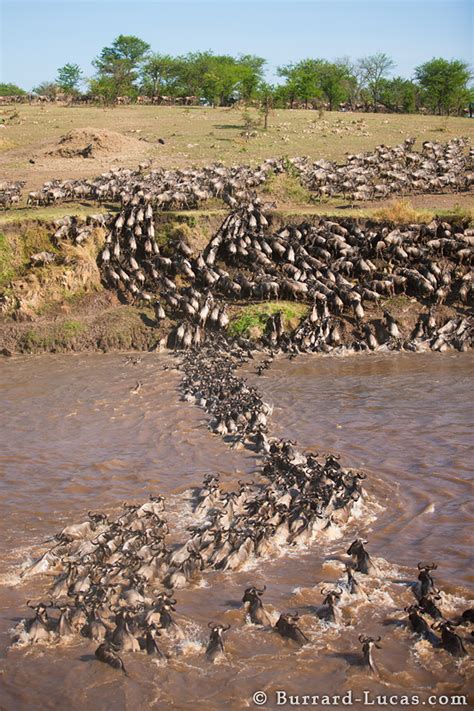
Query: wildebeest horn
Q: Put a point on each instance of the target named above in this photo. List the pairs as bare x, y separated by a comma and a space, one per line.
363, 639
210, 625
427, 566
226, 627
260, 592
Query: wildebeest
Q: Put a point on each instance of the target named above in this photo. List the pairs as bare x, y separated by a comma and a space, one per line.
105, 653
368, 644
450, 641
363, 562
256, 611
287, 626
215, 646
417, 623
425, 584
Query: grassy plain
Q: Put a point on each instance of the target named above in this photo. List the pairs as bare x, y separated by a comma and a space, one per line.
197, 136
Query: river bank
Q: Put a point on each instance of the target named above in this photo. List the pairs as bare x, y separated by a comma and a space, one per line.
66, 305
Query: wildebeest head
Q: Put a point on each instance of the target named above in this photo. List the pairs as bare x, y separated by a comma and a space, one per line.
332, 596
426, 580
356, 547
253, 594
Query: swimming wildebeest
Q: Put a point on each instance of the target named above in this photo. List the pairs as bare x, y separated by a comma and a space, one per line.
368, 643
287, 626
425, 584
256, 611
362, 560
417, 623
38, 628
328, 610
215, 646
105, 653
450, 641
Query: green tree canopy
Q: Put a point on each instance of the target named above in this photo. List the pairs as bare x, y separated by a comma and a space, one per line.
333, 81
69, 78
250, 70
11, 90
398, 94
161, 74
302, 80
118, 65
444, 83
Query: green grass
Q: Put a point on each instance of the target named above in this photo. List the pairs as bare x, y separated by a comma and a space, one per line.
7, 272
250, 321
54, 212
287, 188
17, 246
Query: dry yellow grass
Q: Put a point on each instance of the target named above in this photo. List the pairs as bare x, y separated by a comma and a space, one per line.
195, 136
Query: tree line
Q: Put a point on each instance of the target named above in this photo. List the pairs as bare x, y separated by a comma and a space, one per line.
128, 68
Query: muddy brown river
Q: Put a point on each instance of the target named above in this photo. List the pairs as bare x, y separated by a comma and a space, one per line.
75, 437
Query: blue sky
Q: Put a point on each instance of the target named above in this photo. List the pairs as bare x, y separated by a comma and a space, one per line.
38, 36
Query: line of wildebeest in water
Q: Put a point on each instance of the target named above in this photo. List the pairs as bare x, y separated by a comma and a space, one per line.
116, 577
378, 174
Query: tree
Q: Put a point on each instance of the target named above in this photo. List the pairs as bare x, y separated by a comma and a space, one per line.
398, 95
160, 73
250, 70
444, 83
69, 78
119, 65
332, 80
373, 70
265, 94
47, 88
11, 90
302, 80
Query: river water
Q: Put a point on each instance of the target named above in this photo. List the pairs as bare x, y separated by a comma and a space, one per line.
75, 437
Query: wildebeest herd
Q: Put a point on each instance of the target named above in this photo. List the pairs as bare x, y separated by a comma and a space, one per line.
384, 172
346, 271
116, 577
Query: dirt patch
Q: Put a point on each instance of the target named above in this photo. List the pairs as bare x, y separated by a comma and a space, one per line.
91, 143
95, 322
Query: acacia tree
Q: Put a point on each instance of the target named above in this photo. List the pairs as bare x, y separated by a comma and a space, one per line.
118, 66
332, 80
250, 70
398, 94
160, 73
373, 70
302, 79
265, 93
47, 88
69, 77
11, 90
445, 83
